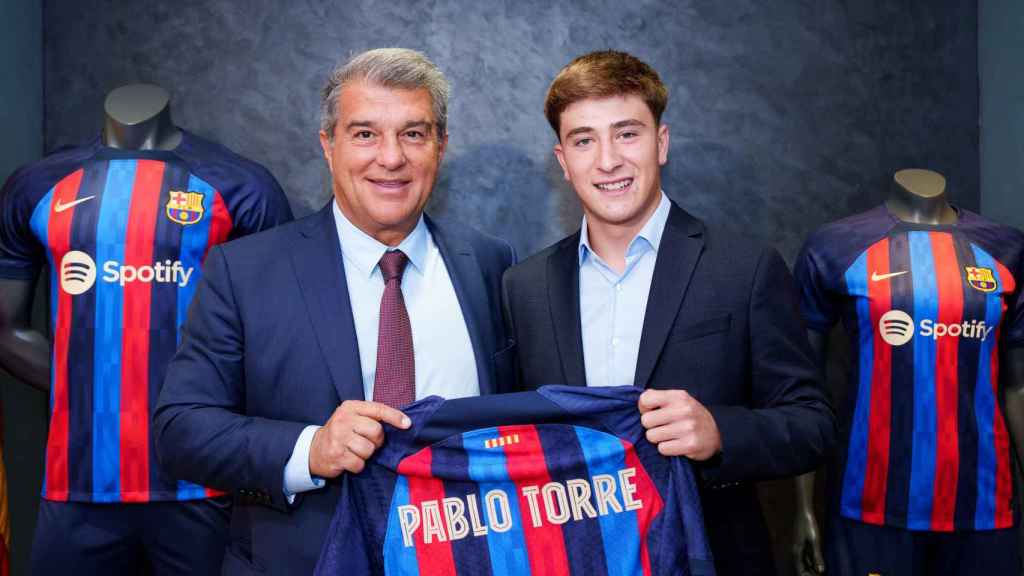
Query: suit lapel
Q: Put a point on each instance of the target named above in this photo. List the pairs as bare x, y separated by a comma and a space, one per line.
468, 280
678, 253
563, 275
320, 273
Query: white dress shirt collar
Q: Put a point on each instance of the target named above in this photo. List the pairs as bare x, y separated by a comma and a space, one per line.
364, 251
649, 236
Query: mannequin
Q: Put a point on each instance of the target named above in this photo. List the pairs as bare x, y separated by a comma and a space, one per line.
919, 197
129, 198
137, 117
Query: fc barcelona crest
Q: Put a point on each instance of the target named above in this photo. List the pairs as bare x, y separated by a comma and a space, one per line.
981, 278
185, 207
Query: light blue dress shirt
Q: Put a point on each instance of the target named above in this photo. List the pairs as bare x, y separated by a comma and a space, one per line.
445, 362
612, 306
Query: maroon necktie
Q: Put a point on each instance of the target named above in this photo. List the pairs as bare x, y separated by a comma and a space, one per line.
395, 382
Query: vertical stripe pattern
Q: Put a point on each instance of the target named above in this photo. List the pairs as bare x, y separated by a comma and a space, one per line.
489, 469
552, 500
901, 389
116, 330
470, 553
926, 304
567, 465
423, 486
879, 415
1001, 439
399, 560
527, 466
195, 240
949, 290
621, 531
928, 447
59, 239
83, 454
114, 209
968, 356
135, 440
856, 459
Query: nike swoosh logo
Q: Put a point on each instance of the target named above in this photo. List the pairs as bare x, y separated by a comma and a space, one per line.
876, 277
62, 207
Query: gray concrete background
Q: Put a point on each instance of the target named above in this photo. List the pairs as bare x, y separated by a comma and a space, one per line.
1001, 67
21, 141
784, 115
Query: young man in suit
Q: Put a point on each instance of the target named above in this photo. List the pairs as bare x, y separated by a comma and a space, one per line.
302, 342
646, 294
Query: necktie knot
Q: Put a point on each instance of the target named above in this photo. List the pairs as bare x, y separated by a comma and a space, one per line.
392, 265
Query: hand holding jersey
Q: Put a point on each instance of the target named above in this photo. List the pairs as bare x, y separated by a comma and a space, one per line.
350, 437
679, 424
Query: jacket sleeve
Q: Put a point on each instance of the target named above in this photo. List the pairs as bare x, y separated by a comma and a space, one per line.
788, 425
202, 431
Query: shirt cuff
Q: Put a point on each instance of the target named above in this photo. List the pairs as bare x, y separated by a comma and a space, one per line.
296, 472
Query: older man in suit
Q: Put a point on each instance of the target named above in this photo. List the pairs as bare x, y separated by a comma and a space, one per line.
646, 294
303, 341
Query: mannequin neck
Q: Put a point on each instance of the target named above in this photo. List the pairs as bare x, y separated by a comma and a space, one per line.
919, 196
138, 117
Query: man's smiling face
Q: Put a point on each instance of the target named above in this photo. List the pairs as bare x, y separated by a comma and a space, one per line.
612, 150
384, 158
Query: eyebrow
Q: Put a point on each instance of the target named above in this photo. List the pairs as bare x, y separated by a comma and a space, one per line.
628, 122
423, 124
615, 126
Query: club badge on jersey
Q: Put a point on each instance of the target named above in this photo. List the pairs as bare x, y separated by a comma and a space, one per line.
185, 207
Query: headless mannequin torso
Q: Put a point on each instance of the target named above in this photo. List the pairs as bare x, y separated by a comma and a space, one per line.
917, 196
137, 117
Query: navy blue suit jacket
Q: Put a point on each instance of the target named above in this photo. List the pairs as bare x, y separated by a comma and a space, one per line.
270, 347
721, 323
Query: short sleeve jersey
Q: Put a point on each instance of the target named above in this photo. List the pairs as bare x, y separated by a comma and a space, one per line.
562, 482
122, 235
928, 309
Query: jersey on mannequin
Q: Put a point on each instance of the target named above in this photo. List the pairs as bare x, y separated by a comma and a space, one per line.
120, 225
136, 117
918, 200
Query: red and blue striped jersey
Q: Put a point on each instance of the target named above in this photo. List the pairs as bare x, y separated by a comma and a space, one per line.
123, 234
928, 310
559, 481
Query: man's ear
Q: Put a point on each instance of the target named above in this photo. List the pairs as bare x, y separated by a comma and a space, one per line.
443, 143
327, 146
662, 144
560, 155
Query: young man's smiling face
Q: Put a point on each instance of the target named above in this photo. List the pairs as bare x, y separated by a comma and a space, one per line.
612, 151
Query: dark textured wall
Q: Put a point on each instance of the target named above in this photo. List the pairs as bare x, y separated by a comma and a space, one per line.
784, 114
21, 141
1000, 49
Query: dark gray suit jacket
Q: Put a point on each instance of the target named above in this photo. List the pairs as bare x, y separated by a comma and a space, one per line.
721, 323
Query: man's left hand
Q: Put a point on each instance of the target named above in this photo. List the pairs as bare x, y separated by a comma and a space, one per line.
679, 425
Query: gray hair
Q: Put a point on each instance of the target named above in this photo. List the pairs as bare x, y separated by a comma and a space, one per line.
391, 68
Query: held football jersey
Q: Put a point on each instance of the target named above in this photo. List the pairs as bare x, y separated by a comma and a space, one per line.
555, 482
927, 309
123, 234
